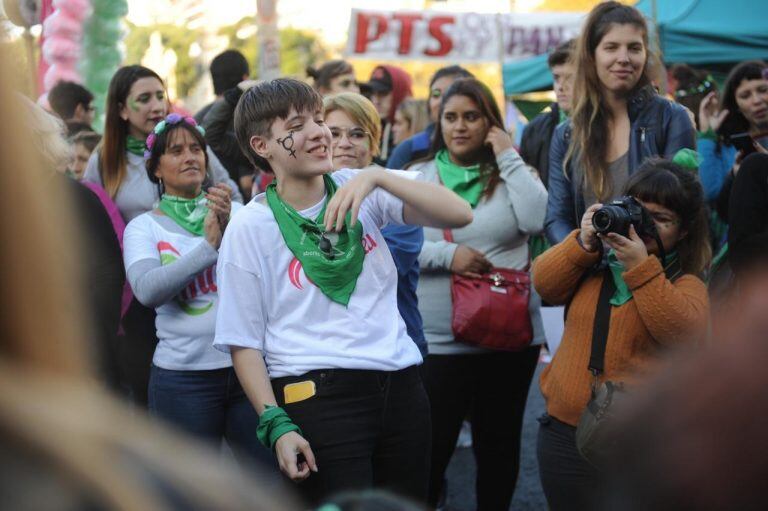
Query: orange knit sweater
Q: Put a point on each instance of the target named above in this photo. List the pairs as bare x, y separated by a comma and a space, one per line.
661, 314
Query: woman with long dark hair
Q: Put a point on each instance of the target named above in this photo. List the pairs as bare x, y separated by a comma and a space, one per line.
618, 120
136, 102
473, 155
742, 108
657, 302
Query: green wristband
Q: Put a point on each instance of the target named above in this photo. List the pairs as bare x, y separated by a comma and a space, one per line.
273, 424
707, 135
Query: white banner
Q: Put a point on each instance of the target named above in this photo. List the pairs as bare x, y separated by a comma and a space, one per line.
457, 37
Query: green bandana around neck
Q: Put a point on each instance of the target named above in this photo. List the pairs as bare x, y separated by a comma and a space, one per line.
188, 213
623, 294
562, 116
135, 145
335, 276
466, 182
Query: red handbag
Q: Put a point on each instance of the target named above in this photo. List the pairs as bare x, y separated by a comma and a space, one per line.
492, 311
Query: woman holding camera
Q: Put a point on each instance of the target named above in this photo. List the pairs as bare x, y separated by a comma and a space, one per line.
655, 306
618, 119
473, 155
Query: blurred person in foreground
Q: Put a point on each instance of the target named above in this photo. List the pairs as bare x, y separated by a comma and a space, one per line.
66, 443
695, 438
355, 132
417, 146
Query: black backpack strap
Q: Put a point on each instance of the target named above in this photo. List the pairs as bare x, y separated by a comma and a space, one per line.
601, 324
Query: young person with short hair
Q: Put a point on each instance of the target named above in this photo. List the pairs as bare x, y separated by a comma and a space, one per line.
72, 102
308, 305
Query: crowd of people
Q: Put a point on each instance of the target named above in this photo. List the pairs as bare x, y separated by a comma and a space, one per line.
333, 277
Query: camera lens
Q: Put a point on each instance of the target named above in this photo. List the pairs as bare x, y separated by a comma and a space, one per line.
601, 220
611, 218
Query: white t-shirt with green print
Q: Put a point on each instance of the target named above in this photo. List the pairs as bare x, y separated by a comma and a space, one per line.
174, 272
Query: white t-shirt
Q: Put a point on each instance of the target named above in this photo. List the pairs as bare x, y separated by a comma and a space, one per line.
268, 304
186, 324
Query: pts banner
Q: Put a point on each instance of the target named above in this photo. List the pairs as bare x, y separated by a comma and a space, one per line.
457, 37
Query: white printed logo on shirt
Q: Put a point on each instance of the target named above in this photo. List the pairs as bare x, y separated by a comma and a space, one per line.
203, 284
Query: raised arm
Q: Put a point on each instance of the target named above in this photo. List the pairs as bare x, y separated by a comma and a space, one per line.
526, 193
426, 204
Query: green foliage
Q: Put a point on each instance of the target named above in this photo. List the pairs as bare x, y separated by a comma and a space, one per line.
179, 39
298, 48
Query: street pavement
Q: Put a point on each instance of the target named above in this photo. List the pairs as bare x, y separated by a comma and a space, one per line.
528, 493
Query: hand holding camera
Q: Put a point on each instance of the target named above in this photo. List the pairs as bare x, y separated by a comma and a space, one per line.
620, 226
588, 234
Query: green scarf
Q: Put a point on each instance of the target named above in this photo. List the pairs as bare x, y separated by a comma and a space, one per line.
135, 146
336, 276
623, 294
188, 213
466, 182
562, 116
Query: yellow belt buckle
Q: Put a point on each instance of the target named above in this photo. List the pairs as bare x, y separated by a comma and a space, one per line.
299, 391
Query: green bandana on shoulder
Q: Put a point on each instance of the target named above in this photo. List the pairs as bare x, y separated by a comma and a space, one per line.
335, 268
466, 182
188, 213
135, 146
623, 294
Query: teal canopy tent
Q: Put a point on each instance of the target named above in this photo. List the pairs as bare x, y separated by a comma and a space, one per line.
696, 32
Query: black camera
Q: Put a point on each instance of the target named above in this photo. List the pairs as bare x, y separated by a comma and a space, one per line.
620, 214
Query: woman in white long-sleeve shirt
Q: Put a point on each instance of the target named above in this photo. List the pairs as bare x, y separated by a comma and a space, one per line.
170, 259
136, 102
473, 155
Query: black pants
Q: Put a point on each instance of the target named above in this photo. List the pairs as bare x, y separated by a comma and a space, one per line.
569, 482
492, 389
366, 429
135, 351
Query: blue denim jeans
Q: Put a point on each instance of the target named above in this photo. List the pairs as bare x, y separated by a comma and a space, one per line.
211, 405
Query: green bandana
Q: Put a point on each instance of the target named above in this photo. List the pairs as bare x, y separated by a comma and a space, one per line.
188, 213
336, 275
623, 294
135, 146
562, 116
466, 182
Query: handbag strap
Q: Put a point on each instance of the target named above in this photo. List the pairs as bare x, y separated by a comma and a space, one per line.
603, 316
601, 325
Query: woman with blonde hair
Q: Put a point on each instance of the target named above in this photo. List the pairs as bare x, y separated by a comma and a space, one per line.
67, 444
618, 120
355, 140
411, 117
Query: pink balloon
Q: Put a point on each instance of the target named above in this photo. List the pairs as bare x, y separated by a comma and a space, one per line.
62, 24
57, 73
78, 9
57, 48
